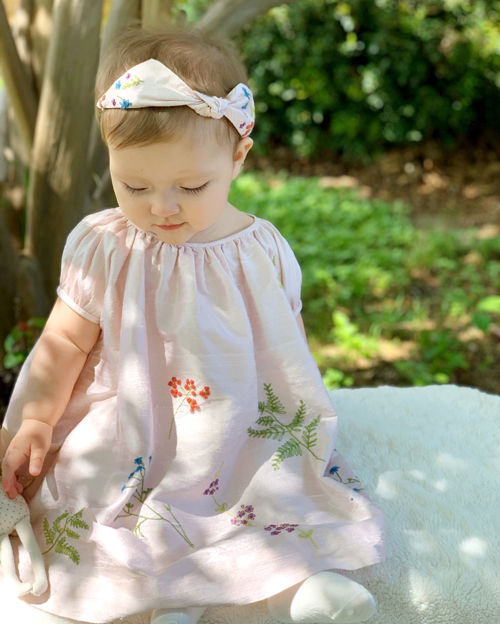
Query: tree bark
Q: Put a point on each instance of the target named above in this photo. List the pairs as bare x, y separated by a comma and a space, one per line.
8, 272
59, 159
156, 12
19, 88
228, 17
40, 36
122, 13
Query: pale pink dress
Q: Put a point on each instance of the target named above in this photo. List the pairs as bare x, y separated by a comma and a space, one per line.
196, 460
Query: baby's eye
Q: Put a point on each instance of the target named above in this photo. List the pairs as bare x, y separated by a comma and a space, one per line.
189, 190
196, 190
133, 190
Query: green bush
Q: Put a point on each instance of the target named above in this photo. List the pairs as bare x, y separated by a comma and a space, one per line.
355, 77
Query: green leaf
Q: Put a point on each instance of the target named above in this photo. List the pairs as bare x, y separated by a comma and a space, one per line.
72, 534
291, 448
67, 549
489, 304
56, 522
481, 320
309, 435
76, 521
14, 359
49, 533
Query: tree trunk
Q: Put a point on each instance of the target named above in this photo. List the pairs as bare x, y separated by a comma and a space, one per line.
8, 272
19, 89
59, 160
121, 14
227, 17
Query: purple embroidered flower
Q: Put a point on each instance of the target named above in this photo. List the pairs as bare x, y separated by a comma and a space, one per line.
113, 101
213, 487
125, 104
243, 516
281, 527
127, 76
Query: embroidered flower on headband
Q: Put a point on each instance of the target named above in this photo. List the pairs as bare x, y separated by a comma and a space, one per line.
151, 83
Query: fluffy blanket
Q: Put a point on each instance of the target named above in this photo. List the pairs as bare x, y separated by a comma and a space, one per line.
430, 457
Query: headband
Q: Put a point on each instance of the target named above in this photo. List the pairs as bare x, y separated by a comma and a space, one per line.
151, 83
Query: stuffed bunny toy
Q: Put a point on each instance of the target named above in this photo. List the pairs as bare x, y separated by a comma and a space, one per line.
15, 517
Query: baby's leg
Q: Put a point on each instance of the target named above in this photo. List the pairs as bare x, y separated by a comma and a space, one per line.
323, 598
9, 567
27, 537
188, 615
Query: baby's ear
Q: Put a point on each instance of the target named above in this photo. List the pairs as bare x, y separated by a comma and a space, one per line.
242, 150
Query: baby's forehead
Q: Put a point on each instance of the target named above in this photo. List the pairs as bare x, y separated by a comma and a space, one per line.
157, 163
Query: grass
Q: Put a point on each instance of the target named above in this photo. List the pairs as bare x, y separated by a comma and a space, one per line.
377, 289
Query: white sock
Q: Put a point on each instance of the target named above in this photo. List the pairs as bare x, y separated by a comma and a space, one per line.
188, 615
323, 598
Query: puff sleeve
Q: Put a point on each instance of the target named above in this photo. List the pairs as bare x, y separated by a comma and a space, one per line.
84, 268
289, 271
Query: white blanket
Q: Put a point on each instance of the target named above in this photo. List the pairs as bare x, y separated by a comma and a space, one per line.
430, 457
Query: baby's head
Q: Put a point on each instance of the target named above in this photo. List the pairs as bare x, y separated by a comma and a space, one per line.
167, 151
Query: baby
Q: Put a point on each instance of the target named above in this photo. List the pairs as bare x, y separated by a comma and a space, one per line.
180, 435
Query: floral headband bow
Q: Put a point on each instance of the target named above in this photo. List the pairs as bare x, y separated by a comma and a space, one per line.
153, 84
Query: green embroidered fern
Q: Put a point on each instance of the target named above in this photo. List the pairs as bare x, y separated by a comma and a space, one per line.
276, 429
55, 537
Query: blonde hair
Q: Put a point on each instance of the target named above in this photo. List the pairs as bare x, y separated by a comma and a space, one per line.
209, 65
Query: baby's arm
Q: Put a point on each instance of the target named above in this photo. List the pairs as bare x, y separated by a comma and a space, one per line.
58, 359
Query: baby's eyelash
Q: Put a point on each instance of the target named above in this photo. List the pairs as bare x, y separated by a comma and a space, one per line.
194, 190
197, 190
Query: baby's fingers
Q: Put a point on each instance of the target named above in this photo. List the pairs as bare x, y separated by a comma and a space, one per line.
36, 459
14, 458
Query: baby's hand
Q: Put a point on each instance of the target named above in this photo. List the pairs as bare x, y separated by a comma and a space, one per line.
32, 443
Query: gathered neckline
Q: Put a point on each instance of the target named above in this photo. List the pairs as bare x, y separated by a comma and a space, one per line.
220, 241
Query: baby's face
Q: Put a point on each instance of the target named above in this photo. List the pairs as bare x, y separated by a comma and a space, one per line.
164, 173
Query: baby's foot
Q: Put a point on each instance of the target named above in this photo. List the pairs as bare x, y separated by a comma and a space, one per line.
323, 598
188, 615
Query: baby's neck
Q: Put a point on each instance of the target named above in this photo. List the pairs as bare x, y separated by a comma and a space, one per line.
230, 222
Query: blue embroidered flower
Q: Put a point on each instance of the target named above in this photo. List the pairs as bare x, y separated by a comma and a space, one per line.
138, 460
150, 458
246, 92
125, 104
118, 84
355, 489
334, 469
